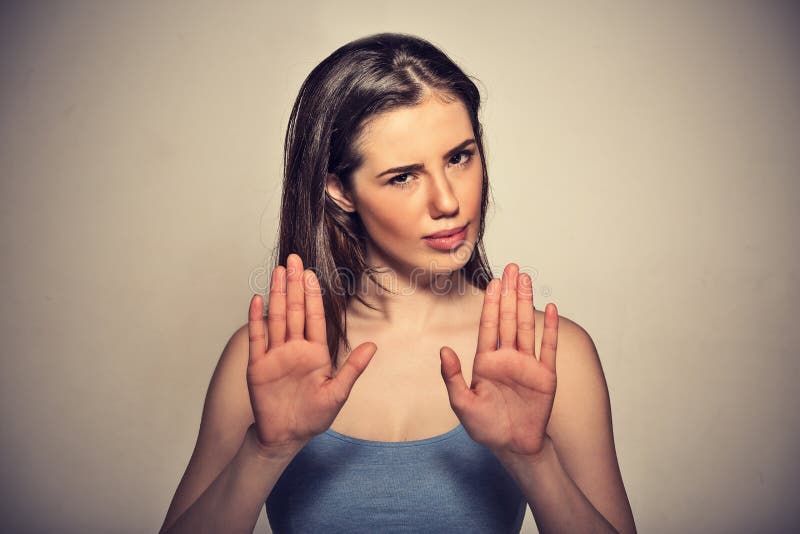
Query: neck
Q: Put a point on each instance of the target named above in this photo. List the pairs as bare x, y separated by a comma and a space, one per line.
411, 303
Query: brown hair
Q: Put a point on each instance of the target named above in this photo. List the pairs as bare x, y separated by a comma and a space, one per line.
365, 77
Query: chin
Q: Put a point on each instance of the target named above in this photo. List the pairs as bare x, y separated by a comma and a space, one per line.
442, 262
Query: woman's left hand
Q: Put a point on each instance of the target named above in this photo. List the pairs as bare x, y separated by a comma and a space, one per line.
508, 405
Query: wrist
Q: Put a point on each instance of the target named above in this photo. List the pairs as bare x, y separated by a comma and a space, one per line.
273, 451
511, 459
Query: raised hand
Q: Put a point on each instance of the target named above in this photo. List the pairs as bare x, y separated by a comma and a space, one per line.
508, 405
293, 391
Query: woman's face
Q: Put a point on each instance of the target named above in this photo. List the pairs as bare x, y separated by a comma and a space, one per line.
438, 190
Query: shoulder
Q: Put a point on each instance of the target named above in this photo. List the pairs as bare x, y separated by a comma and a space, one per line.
575, 347
237, 349
227, 411
581, 426
580, 379
226, 415
239, 341
234, 358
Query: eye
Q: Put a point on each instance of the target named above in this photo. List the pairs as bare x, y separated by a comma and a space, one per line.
467, 157
461, 159
401, 180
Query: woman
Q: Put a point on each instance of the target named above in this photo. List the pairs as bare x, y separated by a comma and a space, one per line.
385, 194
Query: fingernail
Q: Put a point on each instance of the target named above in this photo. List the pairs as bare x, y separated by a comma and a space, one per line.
491, 289
311, 279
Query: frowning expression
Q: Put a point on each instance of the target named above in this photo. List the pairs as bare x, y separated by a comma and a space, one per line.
421, 174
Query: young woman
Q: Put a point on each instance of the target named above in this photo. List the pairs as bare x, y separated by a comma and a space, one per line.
382, 219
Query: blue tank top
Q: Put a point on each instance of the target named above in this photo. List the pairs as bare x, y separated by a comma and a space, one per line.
446, 483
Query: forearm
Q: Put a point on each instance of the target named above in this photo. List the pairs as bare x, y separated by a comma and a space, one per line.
233, 501
557, 503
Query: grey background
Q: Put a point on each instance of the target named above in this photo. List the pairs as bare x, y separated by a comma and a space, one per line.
643, 159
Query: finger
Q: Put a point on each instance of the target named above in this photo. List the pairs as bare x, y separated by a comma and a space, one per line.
457, 390
549, 337
353, 366
508, 307
255, 328
487, 330
295, 302
276, 309
315, 310
526, 326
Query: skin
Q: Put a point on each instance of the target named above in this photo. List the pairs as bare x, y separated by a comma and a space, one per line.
555, 441
294, 393
399, 209
510, 399
508, 405
446, 193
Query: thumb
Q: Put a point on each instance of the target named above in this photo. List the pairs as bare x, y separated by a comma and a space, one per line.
457, 389
353, 367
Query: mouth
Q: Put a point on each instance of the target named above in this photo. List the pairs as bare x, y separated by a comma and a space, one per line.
447, 233
447, 240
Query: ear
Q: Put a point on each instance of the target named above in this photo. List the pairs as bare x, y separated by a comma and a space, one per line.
333, 186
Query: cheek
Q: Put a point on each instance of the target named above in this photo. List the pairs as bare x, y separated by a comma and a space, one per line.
471, 193
388, 217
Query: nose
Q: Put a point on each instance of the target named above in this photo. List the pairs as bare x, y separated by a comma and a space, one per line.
443, 201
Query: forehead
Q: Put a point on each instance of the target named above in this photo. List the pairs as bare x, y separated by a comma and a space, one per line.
412, 134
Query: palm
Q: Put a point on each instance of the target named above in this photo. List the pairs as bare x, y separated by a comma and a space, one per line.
293, 391
288, 386
508, 405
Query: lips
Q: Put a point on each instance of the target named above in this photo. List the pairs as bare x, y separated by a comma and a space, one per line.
446, 233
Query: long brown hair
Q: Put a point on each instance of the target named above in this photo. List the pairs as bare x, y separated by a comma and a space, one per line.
365, 77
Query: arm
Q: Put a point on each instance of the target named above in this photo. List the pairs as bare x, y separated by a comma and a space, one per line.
230, 474
233, 501
556, 442
574, 484
273, 391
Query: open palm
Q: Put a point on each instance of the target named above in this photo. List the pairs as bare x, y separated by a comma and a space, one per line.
508, 405
293, 391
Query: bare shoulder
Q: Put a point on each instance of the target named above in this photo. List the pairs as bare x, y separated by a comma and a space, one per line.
576, 351
227, 411
231, 371
227, 391
568, 329
227, 414
581, 425
579, 372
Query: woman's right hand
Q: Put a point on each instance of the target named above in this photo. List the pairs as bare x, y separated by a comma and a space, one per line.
293, 391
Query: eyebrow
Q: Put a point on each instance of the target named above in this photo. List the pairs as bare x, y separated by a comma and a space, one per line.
416, 167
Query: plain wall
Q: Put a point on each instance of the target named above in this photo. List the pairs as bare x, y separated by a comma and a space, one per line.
643, 159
